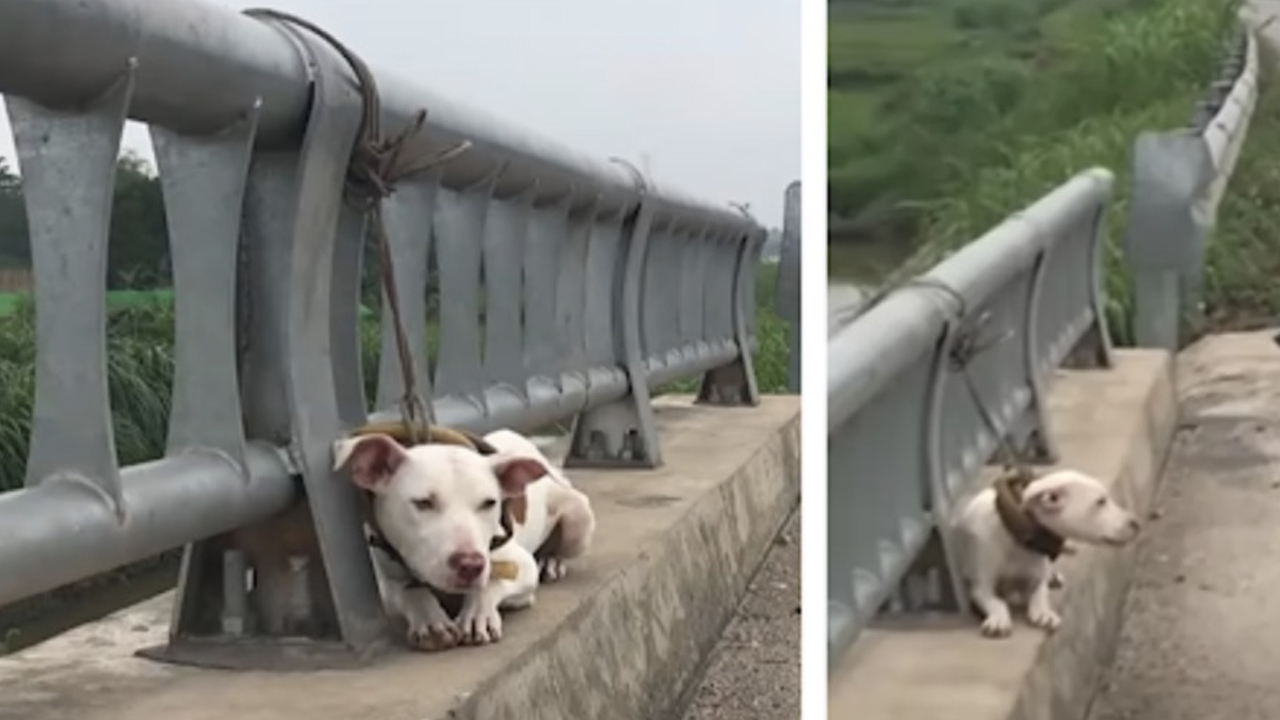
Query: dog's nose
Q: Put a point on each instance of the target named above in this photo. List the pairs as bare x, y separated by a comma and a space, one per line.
467, 565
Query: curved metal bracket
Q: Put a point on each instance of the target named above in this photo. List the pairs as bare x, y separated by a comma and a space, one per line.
625, 432
68, 162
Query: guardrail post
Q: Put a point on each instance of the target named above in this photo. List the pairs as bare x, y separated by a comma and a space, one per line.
203, 180
313, 598
1165, 241
789, 283
1179, 178
735, 382
624, 432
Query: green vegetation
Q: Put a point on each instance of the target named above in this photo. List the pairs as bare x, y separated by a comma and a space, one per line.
1243, 260
982, 106
923, 94
138, 253
140, 347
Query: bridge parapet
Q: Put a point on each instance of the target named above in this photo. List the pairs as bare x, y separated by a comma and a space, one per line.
563, 288
940, 375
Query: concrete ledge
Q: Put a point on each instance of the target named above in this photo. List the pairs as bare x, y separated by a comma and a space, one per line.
1116, 424
619, 639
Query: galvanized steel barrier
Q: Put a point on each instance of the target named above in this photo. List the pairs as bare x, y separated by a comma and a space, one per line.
568, 289
1178, 179
906, 437
789, 283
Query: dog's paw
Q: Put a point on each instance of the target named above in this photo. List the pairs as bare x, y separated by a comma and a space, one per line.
480, 624
997, 625
1044, 618
553, 569
1056, 582
434, 637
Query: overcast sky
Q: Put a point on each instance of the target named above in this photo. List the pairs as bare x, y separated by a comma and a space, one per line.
708, 90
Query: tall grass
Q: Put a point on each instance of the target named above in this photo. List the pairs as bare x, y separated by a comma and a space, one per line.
1142, 69
139, 367
140, 370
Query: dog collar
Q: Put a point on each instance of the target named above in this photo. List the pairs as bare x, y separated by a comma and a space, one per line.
1026, 530
500, 569
380, 542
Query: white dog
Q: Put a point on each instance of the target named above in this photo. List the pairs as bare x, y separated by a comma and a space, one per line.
450, 525
1012, 532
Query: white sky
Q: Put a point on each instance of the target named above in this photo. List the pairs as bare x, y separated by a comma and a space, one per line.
708, 90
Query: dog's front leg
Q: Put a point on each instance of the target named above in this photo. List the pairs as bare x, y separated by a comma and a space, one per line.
996, 620
1039, 609
480, 620
430, 627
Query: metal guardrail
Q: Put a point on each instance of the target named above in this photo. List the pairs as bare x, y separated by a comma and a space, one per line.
789, 283
1178, 180
594, 286
905, 435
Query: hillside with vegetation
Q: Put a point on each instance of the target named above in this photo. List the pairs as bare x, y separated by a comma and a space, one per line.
946, 116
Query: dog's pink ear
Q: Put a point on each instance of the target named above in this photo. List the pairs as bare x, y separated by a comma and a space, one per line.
515, 472
1048, 501
373, 459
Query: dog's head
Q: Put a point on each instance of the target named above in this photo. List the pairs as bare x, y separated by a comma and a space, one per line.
438, 505
1077, 507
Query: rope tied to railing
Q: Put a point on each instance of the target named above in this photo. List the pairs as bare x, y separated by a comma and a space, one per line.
968, 343
377, 164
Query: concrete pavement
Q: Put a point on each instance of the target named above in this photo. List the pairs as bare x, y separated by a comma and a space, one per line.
619, 639
754, 670
1201, 636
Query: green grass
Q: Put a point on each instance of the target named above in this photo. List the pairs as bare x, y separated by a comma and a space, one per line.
140, 368
13, 302
1141, 71
116, 299
993, 101
1061, 87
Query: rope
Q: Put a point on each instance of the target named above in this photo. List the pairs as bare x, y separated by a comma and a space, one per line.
377, 164
966, 346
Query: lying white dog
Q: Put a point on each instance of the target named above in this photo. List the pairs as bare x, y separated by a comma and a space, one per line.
1012, 532
452, 526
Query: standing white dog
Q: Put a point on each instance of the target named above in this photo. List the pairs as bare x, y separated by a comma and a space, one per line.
451, 526
1012, 532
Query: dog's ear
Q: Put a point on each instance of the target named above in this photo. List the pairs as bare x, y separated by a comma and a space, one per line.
373, 459
515, 472
1048, 501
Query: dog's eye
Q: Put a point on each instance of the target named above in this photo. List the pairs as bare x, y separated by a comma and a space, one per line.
487, 504
424, 503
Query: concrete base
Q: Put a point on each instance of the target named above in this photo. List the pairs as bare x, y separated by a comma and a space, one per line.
1115, 425
618, 639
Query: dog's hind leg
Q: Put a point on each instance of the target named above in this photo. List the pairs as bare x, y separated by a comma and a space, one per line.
574, 528
519, 592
